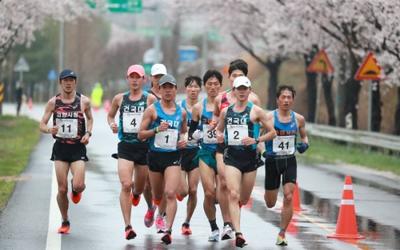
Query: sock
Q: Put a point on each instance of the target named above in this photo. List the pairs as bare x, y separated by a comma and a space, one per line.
213, 224
282, 232
238, 233
228, 223
185, 224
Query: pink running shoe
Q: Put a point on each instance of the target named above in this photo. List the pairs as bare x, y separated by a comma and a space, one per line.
149, 216
160, 224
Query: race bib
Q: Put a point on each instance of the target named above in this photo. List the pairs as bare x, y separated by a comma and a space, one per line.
131, 122
67, 128
166, 139
283, 145
236, 133
209, 136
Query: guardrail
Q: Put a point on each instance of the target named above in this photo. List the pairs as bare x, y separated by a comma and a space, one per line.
373, 139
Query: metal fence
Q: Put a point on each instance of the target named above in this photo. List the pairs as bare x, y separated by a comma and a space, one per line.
377, 140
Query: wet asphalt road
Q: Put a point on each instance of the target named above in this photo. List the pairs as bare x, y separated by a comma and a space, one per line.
96, 222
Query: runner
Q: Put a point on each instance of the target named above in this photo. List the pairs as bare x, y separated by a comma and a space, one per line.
241, 123
236, 68
280, 156
189, 160
71, 132
131, 151
164, 124
157, 71
202, 113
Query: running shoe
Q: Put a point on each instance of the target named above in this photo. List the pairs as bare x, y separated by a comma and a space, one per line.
227, 233
160, 224
167, 239
214, 237
64, 229
240, 241
75, 196
129, 233
281, 240
149, 216
186, 229
135, 199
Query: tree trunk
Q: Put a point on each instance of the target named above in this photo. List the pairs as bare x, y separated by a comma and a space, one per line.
311, 85
273, 68
397, 114
327, 87
376, 107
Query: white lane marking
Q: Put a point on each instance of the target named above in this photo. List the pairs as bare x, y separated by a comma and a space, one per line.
53, 241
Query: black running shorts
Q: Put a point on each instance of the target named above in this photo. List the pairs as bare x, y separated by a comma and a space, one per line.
189, 159
68, 152
276, 167
133, 152
244, 160
159, 161
221, 148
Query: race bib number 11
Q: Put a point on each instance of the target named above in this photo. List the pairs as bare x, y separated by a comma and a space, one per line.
67, 128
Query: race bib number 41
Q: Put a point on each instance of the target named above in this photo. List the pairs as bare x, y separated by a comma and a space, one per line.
166, 139
283, 145
131, 122
236, 133
67, 128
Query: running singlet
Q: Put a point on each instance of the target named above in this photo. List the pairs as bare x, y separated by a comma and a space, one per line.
156, 96
239, 126
190, 142
209, 140
130, 117
224, 100
166, 141
285, 141
70, 120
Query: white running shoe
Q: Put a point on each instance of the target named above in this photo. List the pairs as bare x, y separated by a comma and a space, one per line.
214, 237
227, 233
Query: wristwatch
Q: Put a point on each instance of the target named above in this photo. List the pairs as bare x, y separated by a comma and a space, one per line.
89, 133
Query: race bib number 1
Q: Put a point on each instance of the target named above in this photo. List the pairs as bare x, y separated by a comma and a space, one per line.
67, 128
236, 133
166, 139
283, 145
131, 122
209, 136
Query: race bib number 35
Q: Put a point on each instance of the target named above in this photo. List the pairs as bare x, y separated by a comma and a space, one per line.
236, 133
209, 136
283, 145
67, 128
166, 139
131, 122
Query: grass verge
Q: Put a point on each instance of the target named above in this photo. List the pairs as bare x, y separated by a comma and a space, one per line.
18, 136
327, 151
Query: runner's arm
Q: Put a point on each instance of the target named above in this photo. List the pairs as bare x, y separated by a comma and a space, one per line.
266, 123
148, 117
46, 117
221, 126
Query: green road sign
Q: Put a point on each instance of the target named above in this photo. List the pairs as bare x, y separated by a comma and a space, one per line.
91, 3
147, 68
134, 6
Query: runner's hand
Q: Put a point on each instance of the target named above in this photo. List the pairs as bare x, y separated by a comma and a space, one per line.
163, 126
247, 141
302, 147
212, 125
85, 139
181, 143
53, 130
114, 127
197, 135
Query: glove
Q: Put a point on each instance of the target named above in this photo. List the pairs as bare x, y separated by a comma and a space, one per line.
197, 135
302, 147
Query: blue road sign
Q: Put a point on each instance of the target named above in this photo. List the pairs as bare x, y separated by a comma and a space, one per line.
188, 53
52, 75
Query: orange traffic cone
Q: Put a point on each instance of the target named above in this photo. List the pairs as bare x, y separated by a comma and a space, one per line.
346, 226
296, 199
107, 105
30, 104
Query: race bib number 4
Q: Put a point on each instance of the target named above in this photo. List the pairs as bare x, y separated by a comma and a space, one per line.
283, 145
67, 128
209, 136
236, 133
166, 139
131, 122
